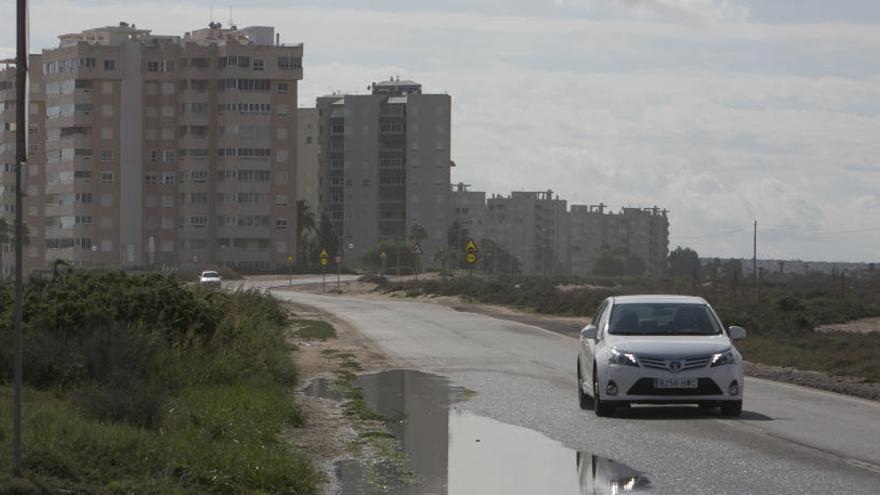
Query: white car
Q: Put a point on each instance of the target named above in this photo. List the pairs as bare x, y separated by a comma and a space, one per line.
656, 349
210, 279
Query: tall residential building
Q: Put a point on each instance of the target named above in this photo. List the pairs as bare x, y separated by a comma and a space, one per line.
534, 226
307, 148
167, 150
641, 233
385, 165
33, 255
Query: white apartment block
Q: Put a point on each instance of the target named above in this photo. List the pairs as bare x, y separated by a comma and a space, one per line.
161, 151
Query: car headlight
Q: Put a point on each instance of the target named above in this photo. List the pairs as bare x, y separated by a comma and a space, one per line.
622, 358
722, 358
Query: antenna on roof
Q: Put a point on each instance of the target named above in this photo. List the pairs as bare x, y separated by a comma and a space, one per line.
231, 22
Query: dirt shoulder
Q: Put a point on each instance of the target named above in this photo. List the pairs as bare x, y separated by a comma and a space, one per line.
329, 433
567, 325
864, 325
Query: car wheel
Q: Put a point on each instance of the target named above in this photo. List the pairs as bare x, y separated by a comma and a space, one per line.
583, 400
599, 407
732, 408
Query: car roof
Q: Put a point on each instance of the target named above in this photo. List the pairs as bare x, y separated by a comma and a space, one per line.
658, 299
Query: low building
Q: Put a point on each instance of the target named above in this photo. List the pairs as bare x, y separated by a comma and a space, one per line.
534, 227
635, 235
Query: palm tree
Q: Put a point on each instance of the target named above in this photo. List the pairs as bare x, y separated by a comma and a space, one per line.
417, 233
305, 222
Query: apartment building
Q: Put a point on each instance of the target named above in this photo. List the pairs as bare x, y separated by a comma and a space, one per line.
534, 226
307, 150
33, 174
633, 233
163, 151
468, 208
385, 165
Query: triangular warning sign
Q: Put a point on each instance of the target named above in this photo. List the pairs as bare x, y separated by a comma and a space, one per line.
324, 253
471, 246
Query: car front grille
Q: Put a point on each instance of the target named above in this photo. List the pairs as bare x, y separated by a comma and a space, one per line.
686, 363
645, 386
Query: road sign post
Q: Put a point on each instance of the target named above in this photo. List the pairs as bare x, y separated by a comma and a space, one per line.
290, 271
416, 252
470, 255
324, 259
382, 256
338, 260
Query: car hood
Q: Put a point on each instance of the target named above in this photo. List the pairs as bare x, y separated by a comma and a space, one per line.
684, 345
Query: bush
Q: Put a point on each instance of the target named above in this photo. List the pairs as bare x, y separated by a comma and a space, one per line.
146, 385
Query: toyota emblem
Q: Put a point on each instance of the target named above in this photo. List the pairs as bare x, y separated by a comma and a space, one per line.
675, 366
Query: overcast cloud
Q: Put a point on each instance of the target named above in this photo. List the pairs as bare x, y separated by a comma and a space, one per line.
721, 111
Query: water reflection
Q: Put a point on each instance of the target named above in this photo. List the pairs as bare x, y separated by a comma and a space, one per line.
453, 451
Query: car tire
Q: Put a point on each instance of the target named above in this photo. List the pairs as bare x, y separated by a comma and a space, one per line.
583, 400
601, 409
732, 408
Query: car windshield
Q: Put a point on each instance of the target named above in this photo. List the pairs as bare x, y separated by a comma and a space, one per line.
662, 319
211, 275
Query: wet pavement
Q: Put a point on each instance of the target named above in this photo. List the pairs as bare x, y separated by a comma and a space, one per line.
450, 450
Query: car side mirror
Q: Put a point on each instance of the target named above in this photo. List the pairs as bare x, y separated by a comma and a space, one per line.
737, 333
589, 332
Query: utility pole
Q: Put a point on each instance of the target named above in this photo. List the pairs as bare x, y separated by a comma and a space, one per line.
755, 261
21, 132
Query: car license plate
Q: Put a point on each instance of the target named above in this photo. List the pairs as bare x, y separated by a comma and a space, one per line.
675, 383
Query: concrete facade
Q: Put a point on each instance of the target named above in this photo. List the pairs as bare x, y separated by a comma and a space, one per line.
534, 226
634, 232
165, 151
385, 165
307, 150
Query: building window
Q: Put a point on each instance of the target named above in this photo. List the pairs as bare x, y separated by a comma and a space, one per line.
168, 178
289, 63
281, 223
107, 177
109, 64
258, 64
153, 66
283, 88
281, 200
151, 178
106, 156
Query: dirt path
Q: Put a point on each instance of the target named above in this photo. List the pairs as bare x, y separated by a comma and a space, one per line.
864, 325
329, 433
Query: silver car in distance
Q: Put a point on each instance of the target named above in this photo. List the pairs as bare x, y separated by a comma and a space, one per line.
656, 349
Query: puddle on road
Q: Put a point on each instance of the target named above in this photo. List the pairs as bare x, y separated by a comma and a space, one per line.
452, 451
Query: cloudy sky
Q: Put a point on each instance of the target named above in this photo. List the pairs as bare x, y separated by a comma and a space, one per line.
722, 111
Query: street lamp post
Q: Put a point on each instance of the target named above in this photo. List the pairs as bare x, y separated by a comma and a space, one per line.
21, 130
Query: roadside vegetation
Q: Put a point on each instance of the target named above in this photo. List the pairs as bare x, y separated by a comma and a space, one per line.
781, 321
140, 384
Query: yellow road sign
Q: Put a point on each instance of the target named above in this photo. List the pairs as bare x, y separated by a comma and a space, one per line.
471, 258
382, 255
324, 261
324, 254
290, 259
471, 247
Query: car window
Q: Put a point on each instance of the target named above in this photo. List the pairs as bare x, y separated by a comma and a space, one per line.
598, 313
662, 319
603, 320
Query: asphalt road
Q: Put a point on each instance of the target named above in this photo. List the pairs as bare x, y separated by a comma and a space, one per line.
789, 439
